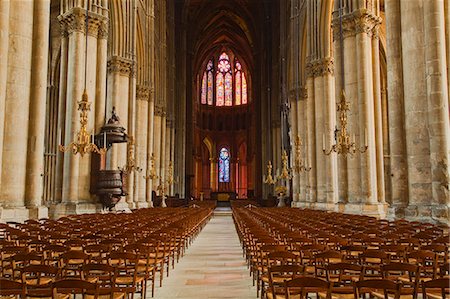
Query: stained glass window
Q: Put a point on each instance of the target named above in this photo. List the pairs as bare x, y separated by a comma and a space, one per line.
237, 88
224, 166
244, 89
228, 87
210, 88
220, 90
228, 90
203, 101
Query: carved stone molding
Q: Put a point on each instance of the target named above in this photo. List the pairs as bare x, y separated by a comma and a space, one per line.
121, 65
298, 94
359, 21
159, 110
320, 67
74, 20
103, 30
142, 93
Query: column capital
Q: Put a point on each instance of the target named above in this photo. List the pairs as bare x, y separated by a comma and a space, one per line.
142, 93
74, 20
159, 110
298, 93
121, 65
320, 67
359, 21
103, 30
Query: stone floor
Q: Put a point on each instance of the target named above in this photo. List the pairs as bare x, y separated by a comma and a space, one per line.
213, 266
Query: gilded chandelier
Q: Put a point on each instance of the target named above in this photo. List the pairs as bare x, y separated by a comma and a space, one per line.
299, 165
131, 162
344, 143
84, 143
151, 172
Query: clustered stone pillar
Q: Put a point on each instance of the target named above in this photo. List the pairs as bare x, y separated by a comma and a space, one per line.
321, 121
157, 145
143, 96
75, 169
38, 94
19, 63
365, 178
150, 150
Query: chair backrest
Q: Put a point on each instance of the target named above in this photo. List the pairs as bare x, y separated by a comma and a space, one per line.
35, 273
435, 288
363, 287
11, 288
344, 274
306, 285
74, 286
102, 273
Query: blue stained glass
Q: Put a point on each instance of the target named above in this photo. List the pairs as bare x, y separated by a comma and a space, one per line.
224, 166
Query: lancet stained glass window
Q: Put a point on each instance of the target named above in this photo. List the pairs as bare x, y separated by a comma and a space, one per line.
228, 82
224, 166
209, 68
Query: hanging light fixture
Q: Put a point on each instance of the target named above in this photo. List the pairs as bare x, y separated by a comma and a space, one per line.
344, 144
84, 143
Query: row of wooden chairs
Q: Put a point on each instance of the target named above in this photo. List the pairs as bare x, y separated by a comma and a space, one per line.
272, 237
140, 245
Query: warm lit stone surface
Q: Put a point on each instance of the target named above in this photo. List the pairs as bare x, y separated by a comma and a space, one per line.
213, 267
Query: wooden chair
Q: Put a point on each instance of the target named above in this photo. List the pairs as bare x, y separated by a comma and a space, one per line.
104, 275
323, 259
380, 288
302, 286
71, 263
11, 288
277, 277
342, 277
62, 289
127, 278
372, 259
436, 289
427, 260
406, 274
146, 267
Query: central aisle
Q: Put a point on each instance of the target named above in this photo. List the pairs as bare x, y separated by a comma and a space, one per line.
212, 267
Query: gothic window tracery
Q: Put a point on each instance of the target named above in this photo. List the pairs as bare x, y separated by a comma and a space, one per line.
228, 82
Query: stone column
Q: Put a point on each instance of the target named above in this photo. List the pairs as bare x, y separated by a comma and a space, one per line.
311, 196
100, 90
378, 115
301, 114
75, 75
150, 150
38, 93
331, 188
415, 107
62, 112
4, 46
294, 134
213, 175
157, 143
143, 95
438, 106
396, 115
119, 72
364, 25
131, 132
162, 165
16, 106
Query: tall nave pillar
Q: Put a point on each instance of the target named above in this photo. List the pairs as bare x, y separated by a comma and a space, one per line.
417, 53
76, 169
24, 30
363, 186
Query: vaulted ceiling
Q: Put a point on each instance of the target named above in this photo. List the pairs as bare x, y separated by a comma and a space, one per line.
234, 24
